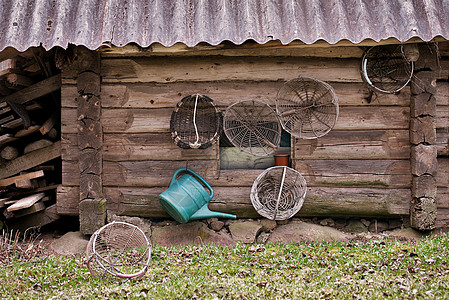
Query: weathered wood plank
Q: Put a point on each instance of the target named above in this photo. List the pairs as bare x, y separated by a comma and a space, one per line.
25, 202
158, 120
442, 93
356, 173
358, 118
34, 91
144, 146
443, 172
36, 207
67, 200
225, 49
442, 117
374, 144
173, 69
140, 173
123, 120
30, 160
246, 49
341, 202
31, 175
443, 198
151, 146
224, 93
442, 143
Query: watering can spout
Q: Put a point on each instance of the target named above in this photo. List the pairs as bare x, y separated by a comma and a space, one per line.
204, 213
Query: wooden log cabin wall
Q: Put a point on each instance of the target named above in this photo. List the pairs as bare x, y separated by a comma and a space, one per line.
362, 168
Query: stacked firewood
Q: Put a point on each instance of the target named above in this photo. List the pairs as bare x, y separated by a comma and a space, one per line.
29, 138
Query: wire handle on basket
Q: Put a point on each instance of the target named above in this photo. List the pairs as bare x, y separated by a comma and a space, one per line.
280, 192
196, 144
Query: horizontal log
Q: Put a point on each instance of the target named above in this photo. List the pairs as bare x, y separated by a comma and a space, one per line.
334, 202
140, 173
158, 120
443, 172
356, 173
173, 69
443, 198
151, 146
442, 220
246, 49
442, 143
224, 93
442, 94
143, 146
123, 120
366, 144
442, 117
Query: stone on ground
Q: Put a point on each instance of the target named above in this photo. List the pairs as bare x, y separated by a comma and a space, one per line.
71, 243
406, 234
355, 226
296, 232
245, 231
142, 223
194, 233
267, 225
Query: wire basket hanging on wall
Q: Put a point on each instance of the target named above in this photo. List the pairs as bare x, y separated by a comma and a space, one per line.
195, 123
253, 127
307, 107
278, 193
118, 249
386, 69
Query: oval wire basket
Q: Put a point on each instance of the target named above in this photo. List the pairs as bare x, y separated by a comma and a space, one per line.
196, 122
278, 193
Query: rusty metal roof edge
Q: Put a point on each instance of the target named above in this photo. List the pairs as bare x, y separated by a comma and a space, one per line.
30, 23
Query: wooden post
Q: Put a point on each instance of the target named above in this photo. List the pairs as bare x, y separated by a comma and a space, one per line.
423, 210
92, 208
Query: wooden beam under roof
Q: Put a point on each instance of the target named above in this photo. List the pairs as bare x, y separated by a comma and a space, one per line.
271, 48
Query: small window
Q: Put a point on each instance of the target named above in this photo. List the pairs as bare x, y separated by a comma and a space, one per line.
233, 158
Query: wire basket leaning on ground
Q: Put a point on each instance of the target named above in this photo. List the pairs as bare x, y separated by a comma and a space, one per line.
278, 193
253, 127
307, 107
195, 123
118, 249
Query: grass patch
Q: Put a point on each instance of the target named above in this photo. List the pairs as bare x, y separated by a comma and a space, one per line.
368, 270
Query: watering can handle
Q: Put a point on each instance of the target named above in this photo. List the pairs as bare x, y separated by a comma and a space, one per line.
198, 177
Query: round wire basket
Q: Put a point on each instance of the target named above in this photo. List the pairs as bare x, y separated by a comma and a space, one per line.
386, 69
253, 127
278, 193
118, 249
307, 107
195, 123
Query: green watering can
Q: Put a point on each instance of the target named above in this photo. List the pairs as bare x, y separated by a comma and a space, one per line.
187, 198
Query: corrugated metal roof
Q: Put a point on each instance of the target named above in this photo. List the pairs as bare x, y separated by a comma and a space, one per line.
26, 23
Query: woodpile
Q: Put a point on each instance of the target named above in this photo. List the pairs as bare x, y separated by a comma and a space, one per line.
30, 146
